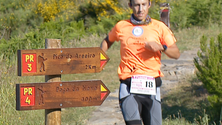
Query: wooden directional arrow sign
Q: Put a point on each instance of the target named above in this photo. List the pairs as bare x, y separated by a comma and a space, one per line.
61, 61
53, 95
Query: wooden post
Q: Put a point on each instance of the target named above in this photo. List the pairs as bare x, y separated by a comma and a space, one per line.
52, 116
165, 13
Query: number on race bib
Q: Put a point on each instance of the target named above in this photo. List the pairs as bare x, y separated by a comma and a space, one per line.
142, 84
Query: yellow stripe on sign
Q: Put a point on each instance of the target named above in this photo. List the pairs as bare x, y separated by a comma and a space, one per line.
102, 57
103, 89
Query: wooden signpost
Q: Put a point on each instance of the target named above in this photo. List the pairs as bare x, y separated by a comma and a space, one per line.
61, 61
165, 13
54, 94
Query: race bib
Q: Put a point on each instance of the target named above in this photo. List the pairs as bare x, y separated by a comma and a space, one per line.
142, 84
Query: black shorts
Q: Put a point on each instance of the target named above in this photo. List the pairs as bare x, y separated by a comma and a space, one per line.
138, 108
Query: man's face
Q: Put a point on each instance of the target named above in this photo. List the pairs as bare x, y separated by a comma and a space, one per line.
140, 8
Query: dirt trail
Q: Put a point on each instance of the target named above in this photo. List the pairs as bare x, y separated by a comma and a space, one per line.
174, 70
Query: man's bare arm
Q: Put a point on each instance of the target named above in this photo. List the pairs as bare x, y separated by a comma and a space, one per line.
172, 51
106, 44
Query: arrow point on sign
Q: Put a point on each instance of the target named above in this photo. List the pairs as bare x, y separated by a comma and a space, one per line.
104, 92
103, 89
103, 95
102, 57
102, 62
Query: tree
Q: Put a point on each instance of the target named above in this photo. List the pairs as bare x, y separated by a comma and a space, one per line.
209, 66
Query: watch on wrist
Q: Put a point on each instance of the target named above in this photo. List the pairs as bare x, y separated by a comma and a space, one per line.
164, 48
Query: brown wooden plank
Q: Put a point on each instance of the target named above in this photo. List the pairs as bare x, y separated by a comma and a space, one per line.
51, 95
61, 61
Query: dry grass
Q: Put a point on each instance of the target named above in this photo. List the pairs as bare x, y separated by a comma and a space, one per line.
187, 100
189, 39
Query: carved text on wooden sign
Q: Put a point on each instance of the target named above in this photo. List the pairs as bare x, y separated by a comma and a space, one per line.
61, 61
50, 95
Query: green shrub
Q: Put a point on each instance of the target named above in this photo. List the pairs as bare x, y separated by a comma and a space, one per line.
53, 9
187, 13
205, 12
105, 24
16, 18
35, 39
19, 20
179, 14
209, 65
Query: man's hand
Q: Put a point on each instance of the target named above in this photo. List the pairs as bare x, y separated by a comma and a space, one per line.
153, 46
171, 51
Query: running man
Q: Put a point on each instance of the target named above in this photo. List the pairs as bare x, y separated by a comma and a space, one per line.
143, 40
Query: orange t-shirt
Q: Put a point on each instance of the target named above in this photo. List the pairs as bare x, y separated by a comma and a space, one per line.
135, 59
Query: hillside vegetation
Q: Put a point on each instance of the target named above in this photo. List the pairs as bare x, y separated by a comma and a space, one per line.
25, 24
